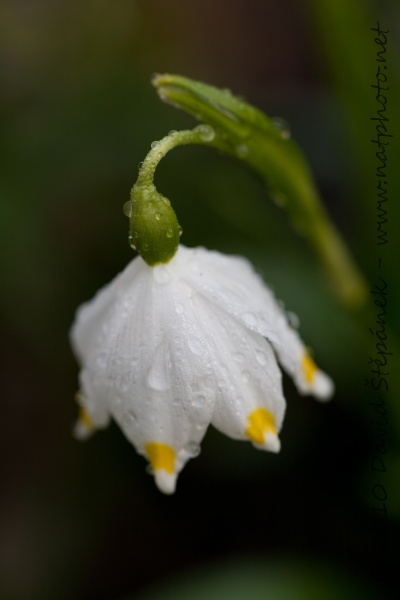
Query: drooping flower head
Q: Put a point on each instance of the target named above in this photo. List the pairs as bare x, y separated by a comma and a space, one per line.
167, 350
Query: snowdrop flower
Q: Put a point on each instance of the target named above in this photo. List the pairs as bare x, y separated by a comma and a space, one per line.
166, 350
183, 338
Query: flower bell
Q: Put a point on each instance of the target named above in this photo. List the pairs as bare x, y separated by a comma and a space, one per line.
167, 350
183, 338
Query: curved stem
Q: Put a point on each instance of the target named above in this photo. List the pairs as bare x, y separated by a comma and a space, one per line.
154, 229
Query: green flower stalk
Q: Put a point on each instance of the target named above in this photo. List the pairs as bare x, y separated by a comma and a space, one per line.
264, 144
154, 229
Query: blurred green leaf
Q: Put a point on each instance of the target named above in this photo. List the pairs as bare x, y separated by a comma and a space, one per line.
267, 580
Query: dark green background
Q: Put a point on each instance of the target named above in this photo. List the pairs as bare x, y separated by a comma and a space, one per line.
84, 521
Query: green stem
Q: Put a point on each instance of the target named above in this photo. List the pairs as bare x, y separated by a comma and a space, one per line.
154, 229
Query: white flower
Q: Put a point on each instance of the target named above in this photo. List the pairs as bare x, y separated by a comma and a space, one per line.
167, 350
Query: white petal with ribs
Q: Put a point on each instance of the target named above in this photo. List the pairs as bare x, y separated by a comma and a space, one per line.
167, 350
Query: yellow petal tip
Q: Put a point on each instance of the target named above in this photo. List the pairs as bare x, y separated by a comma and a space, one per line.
320, 385
162, 460
309, 368
261, 430
84, 426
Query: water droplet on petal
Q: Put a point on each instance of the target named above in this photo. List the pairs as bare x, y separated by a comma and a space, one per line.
127, 208
162, 275
239, 357
172, 132
221, 385
154, 144
157, 379
261, 358
129, 418
199, 401
195, 345
250, 319
192, 449
245, 376
293, 320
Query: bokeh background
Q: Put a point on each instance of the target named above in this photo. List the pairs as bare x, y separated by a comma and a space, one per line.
85, 521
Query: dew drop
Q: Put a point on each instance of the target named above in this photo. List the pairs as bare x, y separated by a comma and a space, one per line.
261, 358
293, 320
199, 401
239, 357
145, 247
180, 230
162, 275
245, 376
157, 379
192, 449
282, 126
127, 208
249, 319
140, 165
206, 132
221, 385
157, 216
129, 418
165, 200
242, 150
172, 132
169, 233
154, 144
195, 345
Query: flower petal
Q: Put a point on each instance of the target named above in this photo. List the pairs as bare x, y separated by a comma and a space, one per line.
166, 350
146, 364
232, 284
246, 376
